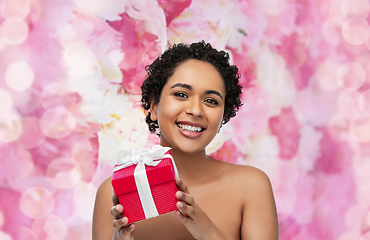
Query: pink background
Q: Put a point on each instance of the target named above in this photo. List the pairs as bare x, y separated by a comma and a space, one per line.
69, 100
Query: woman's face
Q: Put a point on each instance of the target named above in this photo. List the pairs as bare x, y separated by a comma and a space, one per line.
190, 110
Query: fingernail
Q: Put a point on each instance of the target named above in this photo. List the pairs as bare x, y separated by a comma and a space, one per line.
116, 207
180, 194
124, 220
181, 205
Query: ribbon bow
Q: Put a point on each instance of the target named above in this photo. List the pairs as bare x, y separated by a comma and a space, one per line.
147, 156
150, 157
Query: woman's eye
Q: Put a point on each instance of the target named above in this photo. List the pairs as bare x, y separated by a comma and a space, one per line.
181, 95
211, 101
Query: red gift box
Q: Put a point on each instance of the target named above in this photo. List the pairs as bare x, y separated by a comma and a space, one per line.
161, 180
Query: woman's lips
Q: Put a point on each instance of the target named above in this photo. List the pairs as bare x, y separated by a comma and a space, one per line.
189, 134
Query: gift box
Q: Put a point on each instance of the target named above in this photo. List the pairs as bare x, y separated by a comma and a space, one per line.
145, 183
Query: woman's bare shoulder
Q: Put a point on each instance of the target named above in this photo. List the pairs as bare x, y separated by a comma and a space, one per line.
246, 177
106, 184
246, 172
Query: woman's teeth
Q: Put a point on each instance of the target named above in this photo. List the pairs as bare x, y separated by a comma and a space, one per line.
190, 128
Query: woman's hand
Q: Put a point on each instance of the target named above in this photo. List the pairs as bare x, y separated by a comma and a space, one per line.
193, 217
122, 230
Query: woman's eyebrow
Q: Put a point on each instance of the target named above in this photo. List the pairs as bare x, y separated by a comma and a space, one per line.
214, 92
187, 86
183, 85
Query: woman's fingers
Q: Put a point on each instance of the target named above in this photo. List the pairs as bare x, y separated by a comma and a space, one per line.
181, 185
115, 200
186, 204
117, 211
123, 226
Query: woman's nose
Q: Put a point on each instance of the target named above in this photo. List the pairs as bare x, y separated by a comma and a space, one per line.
194, 108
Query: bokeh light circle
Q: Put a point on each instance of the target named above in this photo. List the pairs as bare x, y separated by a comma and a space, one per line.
31, 135
6, 101
356, 31
57, 122
10, 127
368, 218
364, 102
338, 128
351, 76
25, 233
331, 31
14, 8
326, 76
359, 128
347, 103
355, 8
63, 173
58, 94
36, 202
25, 160
50, 227
14, 31
19, 76
84, 196
4, 236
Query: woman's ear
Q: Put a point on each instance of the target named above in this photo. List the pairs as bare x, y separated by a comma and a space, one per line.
153, 112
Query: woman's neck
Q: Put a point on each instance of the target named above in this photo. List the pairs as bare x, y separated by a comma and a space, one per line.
192, 166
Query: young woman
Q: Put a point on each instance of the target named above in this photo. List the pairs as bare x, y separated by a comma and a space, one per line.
190, 91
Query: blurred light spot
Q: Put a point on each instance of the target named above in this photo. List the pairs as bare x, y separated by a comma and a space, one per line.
81, 151
81, 61
63, 173
10, 127
326, 76
356, 31
359, 128
25, 233
19, 76
14, 8
335, 12
50, 227
57, 122
355, 8
13, 31
351, 76
366, 236
31, 135
338, 128
25, 160
347, 104
6, 101
36, 202
1, 218
364, 102
58, 94
368, 218
331, 31
84, 196
4, 236
94, 7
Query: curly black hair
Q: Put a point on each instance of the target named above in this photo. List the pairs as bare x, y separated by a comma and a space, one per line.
164, 66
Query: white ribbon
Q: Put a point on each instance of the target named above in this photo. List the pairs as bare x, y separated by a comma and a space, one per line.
150, 157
